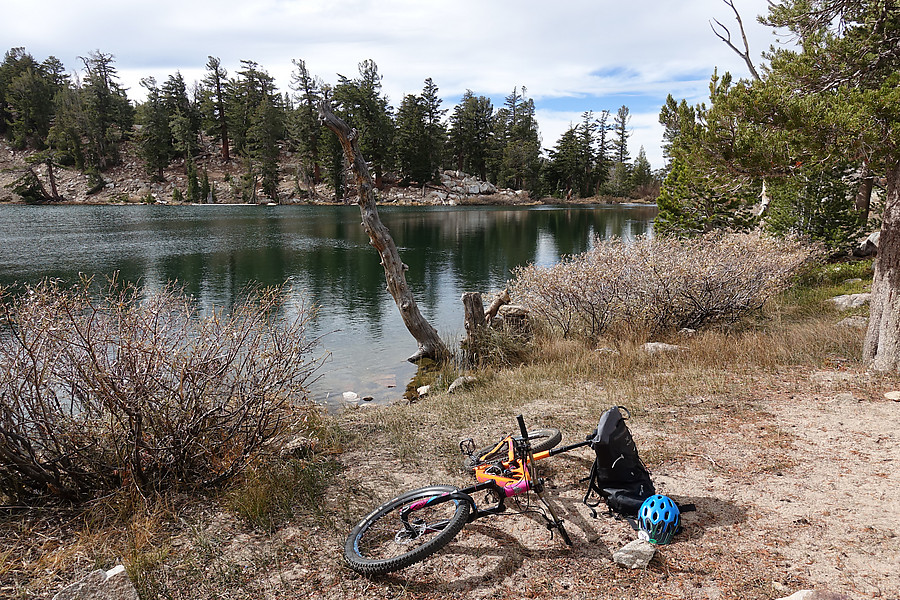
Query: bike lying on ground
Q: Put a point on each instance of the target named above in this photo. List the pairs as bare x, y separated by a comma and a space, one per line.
415, 525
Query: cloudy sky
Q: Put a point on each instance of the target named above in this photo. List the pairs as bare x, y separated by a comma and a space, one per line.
571, 55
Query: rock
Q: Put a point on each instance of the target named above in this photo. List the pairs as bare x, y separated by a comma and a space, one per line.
368, 398
855, 322
895, 396
868, 246
848, 301
635, 555
461, 382
656, 347
814, 595
101, 585
299, 447
423, 390
350, 396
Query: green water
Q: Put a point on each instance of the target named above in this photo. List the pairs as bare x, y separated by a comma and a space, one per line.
216, 251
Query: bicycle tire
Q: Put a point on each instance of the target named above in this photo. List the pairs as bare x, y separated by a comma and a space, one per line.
378, 543
541, 440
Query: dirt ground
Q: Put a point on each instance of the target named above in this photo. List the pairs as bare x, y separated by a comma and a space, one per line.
796, 488
794, 477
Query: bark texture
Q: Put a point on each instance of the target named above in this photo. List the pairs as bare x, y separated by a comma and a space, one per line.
882, 344
430, 343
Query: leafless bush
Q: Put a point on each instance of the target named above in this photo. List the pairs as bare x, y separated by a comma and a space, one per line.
112, 388
656, 285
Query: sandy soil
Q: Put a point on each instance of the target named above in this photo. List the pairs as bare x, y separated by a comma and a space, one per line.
794, 478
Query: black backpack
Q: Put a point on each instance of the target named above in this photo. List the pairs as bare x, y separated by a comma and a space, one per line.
617, 476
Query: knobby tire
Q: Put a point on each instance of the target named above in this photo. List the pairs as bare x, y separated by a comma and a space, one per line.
372, 547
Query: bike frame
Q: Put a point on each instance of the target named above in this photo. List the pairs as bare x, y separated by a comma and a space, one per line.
515, 478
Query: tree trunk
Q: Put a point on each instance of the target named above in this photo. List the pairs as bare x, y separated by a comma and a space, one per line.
53, 191
882, 344
430, 343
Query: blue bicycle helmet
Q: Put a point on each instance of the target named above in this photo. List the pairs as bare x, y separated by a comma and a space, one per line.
658, 518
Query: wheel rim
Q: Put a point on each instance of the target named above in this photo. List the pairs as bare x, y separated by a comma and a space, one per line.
389, 537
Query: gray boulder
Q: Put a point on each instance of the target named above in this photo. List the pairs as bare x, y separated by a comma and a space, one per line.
848, 301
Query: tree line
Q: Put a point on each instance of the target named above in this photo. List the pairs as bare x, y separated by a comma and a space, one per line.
83, 121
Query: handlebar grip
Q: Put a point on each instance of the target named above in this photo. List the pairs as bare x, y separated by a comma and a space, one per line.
522, 429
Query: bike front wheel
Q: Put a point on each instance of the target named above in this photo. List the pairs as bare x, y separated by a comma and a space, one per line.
383, 542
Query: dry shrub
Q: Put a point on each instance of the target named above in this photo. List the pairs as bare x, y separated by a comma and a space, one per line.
101, 389
652, 286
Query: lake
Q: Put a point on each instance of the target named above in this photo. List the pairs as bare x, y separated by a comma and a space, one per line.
215, 251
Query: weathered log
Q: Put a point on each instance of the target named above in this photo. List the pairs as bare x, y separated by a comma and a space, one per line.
473, 313
430, 343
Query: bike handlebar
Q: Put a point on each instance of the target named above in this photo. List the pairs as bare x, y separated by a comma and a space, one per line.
522, 428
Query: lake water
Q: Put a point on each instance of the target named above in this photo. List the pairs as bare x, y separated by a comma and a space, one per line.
216, 251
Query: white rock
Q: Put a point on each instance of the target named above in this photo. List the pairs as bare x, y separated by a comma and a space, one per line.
100, 585
635, 555
350, 396
848, 301
423, 390
655, 347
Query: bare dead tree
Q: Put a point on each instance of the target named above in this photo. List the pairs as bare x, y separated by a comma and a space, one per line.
724, 34
430, 343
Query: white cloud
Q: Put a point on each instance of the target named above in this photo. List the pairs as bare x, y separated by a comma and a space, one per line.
568, 48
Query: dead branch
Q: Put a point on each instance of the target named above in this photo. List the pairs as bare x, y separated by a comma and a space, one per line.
726, 37
430, 343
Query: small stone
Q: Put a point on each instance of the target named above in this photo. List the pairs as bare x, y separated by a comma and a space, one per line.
656, 347
461, 382
895, 396
635, 555
423, 390
350, 396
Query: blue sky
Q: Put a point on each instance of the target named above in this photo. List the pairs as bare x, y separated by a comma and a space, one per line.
571, 55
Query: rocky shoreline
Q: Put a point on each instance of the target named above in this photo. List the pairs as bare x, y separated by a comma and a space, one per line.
128, 183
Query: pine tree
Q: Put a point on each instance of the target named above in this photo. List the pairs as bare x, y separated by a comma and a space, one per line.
155, 139
213, 103
620, 177
107, 114
471, 133
412, 142
306, 127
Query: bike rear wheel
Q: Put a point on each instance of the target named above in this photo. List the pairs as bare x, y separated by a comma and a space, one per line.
382, 542
541, 440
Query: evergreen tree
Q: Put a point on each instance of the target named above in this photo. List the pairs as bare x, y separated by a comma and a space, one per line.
471, 125
620, 176
412, 142
184, 118
641, 173
435, 130
362, 105
265, 133
213, 104
155, 139
107, 114
306, 128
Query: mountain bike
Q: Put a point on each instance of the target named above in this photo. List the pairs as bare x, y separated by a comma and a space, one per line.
418, 523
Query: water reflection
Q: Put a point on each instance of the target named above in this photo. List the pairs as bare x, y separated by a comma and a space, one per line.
217, 251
